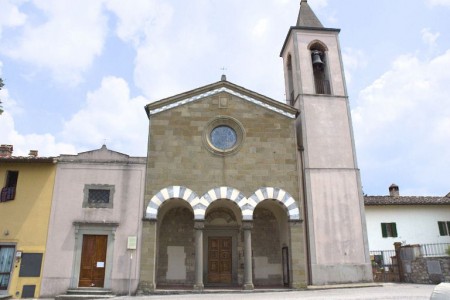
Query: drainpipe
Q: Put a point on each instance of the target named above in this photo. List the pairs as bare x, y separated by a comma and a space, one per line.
305, 205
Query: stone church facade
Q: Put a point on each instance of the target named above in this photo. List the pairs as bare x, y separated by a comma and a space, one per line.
244, 191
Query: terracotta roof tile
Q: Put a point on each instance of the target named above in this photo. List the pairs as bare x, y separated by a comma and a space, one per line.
25, 159
406, 200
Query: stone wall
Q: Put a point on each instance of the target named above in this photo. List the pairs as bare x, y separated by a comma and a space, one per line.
266, 248
176, 254
179, 156
428, 270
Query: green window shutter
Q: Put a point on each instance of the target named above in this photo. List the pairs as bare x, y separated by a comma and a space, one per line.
394, 230
448, 228
383, 230
442, 228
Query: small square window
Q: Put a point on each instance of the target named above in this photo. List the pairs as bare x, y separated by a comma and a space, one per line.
389, 230
98, 196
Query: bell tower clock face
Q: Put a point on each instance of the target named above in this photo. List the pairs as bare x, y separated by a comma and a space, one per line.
223, 137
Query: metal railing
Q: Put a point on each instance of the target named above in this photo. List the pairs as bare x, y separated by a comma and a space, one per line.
383, 258
7, 194
434, 249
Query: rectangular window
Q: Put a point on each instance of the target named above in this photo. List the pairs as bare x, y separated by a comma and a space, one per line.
6, 262
444, 227
389, 230
8, 192
98, 196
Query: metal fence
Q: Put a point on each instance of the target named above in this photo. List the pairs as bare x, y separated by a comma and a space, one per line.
384, 266
384, 262
383, 258
434, 249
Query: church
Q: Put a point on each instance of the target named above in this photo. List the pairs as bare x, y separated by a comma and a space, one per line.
245, 191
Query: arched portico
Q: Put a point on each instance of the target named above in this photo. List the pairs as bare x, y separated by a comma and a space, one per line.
221, 222
276, 194
201, 204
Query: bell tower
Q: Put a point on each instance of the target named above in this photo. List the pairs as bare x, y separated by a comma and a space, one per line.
334, 210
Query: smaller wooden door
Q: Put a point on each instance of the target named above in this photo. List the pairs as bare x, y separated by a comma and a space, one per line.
93, 261
219, 260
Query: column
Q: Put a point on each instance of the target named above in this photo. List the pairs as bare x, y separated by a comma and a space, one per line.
248, 274
198, 286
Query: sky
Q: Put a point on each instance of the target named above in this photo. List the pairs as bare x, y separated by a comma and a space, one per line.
78, 74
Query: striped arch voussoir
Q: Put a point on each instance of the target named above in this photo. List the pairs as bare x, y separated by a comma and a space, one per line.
223, 192
278, 194
171, 192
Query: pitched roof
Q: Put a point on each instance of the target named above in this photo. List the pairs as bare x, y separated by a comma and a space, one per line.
219, 87
102, 155
406, 200
28, 159
306, 17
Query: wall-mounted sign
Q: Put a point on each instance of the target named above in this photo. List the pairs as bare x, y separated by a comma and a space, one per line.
132, 243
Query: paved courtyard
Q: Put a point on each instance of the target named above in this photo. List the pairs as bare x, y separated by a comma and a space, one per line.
386, 291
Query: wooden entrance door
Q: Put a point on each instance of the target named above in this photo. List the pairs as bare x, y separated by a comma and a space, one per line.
219, 260
93, 261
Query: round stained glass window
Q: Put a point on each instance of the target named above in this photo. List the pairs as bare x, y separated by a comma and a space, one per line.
223, 137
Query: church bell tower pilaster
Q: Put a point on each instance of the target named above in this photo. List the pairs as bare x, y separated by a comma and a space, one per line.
331, 185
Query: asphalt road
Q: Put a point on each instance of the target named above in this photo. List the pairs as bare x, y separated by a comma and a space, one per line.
387, 291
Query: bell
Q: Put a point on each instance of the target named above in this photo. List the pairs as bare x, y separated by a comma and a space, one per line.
316, 59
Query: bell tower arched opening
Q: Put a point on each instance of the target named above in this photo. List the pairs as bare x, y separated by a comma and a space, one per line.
291, 95
320, 68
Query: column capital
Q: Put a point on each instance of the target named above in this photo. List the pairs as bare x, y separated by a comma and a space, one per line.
247, 225
295, 222
199, 225
146, 220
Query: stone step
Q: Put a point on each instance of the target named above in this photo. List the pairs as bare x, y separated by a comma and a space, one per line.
82, 297
3, 297
89, 291
86, 293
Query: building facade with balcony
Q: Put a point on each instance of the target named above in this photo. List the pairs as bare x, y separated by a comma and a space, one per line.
25, 204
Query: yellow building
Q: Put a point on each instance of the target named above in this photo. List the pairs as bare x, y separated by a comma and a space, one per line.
25, 203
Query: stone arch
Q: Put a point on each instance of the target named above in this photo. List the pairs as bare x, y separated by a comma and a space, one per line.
223, 192
278, 194
167, 193
317, 45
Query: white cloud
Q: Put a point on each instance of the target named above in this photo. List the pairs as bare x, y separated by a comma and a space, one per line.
10, 16
46, 144
354, 59
439, 2
66, 42
110, 116
142, 19
260, 27
430, 39
165, 58
318, 4
402, 122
